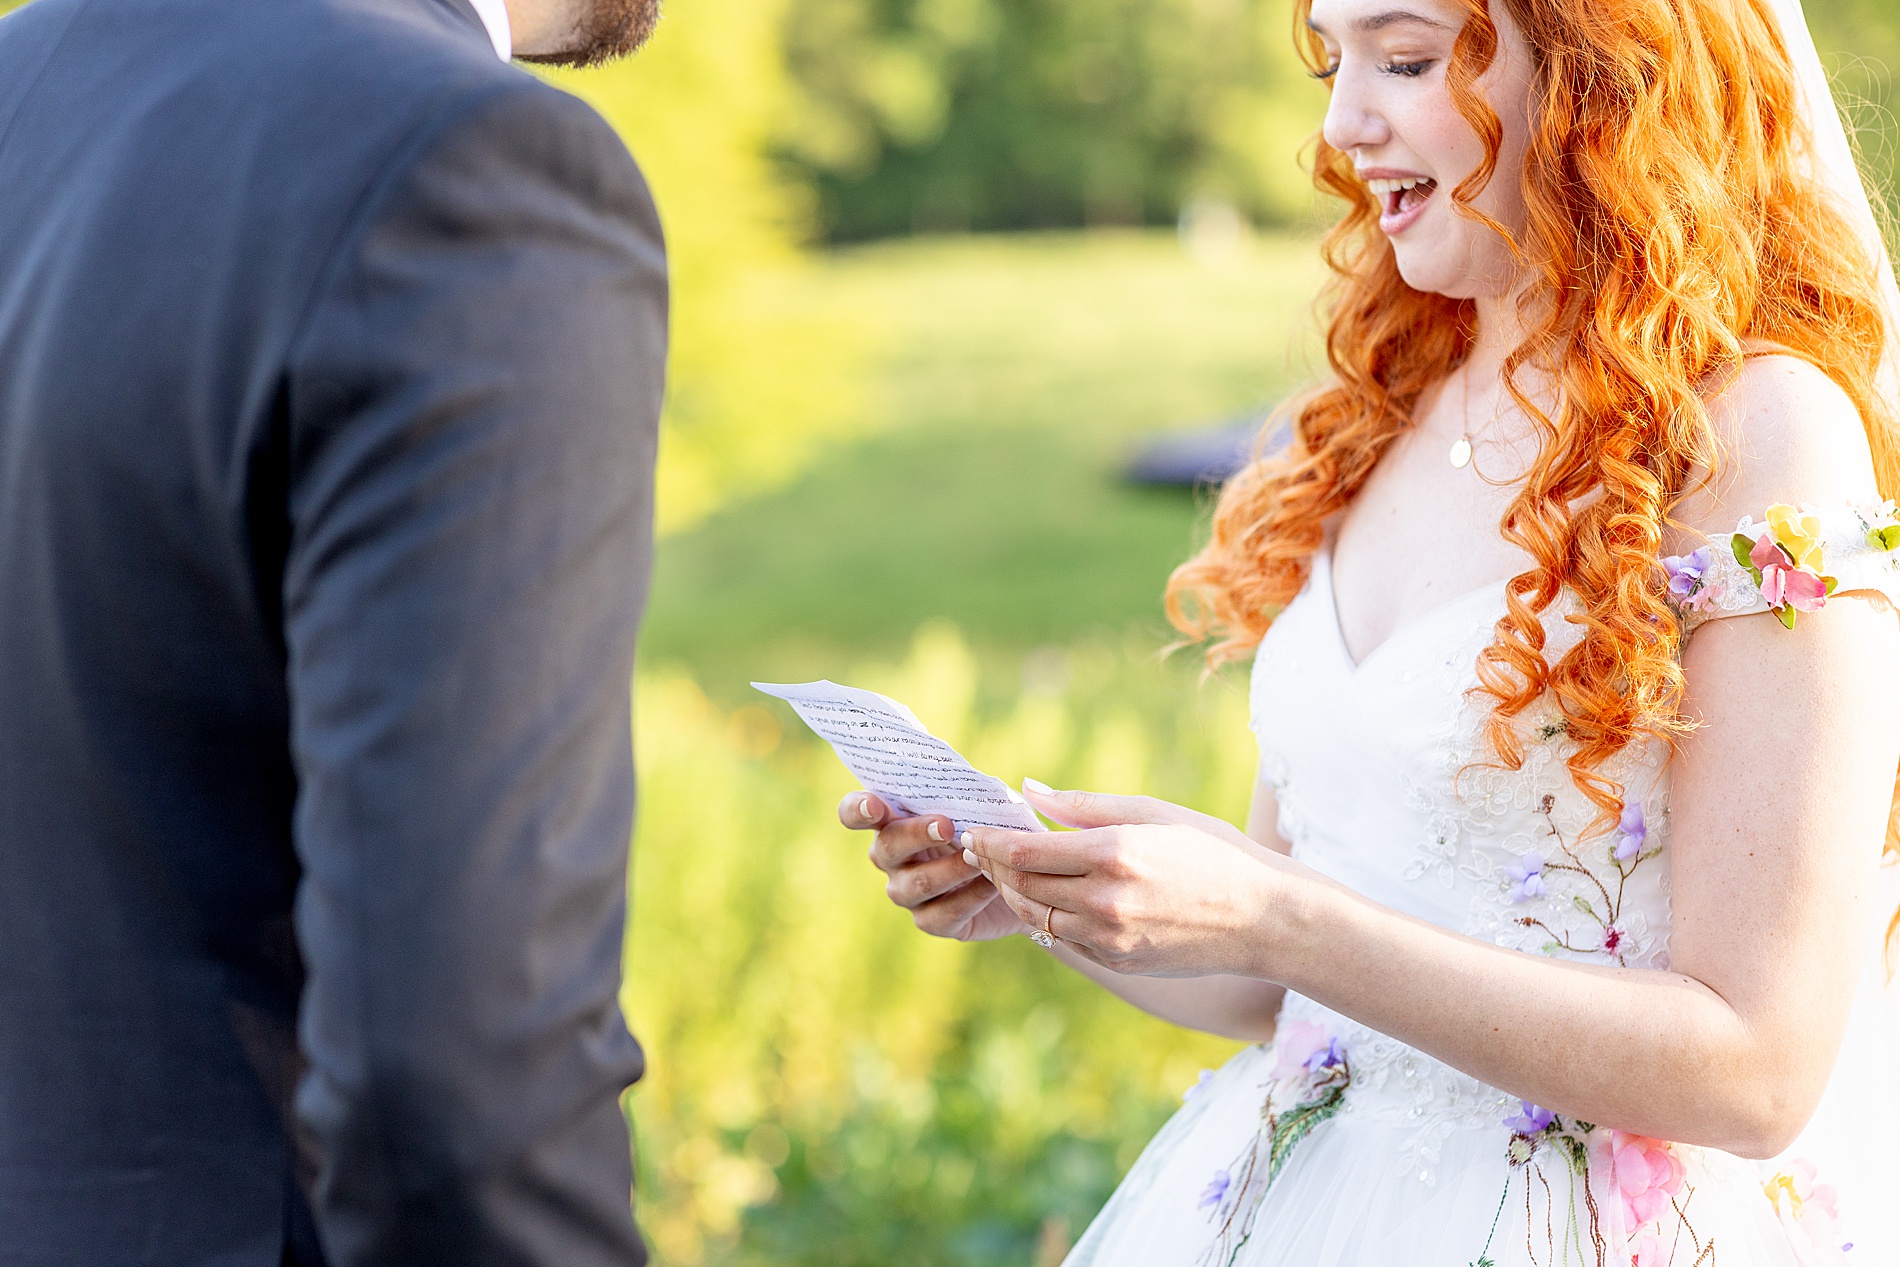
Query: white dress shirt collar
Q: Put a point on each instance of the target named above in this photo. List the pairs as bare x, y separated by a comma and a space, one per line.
494, 16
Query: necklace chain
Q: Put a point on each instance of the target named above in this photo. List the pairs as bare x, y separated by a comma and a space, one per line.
1461, 448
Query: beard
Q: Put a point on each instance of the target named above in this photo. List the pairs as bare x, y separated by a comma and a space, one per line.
605, 30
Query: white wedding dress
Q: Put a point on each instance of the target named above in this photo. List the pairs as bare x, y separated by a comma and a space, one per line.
1340, 1147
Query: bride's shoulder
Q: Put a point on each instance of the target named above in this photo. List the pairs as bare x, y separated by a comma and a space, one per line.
1787, 434
1792, 512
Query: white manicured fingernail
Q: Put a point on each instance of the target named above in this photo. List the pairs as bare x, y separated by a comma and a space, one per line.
934, 830
864, 807
967, 841
1038, 787
971, 860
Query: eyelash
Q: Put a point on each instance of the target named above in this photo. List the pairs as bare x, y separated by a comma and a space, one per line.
1411, 70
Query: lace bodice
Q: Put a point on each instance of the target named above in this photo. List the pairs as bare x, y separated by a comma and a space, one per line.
1384, 784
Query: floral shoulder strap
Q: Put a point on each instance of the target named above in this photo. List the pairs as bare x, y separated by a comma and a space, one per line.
1789, 563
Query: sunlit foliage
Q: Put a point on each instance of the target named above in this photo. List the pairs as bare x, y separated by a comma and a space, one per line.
755, 380
827, 1081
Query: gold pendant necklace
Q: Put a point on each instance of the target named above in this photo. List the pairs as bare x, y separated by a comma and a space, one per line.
1461, 447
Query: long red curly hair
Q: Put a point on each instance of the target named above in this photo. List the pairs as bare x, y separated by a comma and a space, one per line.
1673, 220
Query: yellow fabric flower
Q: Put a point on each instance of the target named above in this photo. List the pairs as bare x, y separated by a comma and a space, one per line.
1798, 534
1781, 1191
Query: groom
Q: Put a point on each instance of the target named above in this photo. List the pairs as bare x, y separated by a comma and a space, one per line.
330, 358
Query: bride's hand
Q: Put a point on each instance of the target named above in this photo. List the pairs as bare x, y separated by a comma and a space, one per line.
1146, 887
927, 875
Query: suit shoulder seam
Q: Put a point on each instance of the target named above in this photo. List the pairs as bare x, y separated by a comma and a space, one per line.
369, 202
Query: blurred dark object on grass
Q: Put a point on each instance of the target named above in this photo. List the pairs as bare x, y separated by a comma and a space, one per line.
1204, 456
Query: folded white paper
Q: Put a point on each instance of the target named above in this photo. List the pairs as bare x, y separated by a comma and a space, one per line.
898, 760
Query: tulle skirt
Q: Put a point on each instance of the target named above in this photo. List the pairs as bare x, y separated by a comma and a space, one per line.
1388, 1180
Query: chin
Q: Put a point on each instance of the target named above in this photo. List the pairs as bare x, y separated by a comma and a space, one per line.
1432, 273
1456, 269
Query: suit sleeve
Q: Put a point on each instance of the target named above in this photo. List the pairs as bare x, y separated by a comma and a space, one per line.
471, 413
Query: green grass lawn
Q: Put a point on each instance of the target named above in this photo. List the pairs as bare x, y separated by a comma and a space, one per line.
1009, 379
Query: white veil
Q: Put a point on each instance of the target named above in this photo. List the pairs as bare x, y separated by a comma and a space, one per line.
1838, 171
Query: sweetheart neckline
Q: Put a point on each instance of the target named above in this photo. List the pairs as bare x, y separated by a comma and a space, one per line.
1355, 667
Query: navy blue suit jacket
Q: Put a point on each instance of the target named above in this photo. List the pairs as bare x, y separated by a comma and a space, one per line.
330, 362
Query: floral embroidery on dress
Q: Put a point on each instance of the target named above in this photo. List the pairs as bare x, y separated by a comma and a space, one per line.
1609, 1198
1307, 1086
1598, 897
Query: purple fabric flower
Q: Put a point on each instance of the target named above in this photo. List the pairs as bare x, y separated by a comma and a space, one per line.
1633, 831
1527, 877
1685, 571
1216, 1190
1200, 1085
1531, 1120
1328, 1057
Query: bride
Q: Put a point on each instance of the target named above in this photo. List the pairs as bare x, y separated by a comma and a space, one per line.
1560, 916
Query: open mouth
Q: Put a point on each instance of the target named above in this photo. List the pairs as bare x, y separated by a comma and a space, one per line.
1399, 197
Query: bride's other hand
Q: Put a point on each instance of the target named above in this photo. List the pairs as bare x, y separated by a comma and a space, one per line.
1145, 887
925, 873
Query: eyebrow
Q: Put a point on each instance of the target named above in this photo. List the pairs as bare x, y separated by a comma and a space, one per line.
1391, 17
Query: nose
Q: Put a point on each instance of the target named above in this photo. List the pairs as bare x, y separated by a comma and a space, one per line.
1353, 121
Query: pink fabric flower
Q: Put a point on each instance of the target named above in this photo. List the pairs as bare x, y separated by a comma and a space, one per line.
1648, 1250
1644, 1177
1301, 1042
1707, 596
1782, 583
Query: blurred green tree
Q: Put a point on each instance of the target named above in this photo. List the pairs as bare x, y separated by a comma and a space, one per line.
916, 115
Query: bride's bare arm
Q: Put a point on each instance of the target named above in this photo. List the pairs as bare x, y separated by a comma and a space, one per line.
949, 898
1780, 804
